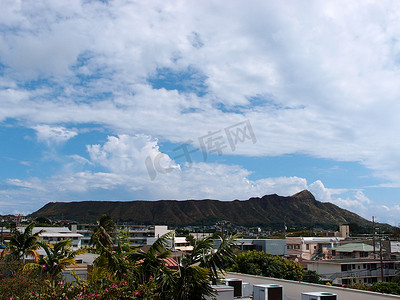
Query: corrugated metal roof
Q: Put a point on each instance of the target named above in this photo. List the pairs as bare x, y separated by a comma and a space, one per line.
352, 247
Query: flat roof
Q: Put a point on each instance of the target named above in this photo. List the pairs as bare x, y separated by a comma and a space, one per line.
352, 261
352, 247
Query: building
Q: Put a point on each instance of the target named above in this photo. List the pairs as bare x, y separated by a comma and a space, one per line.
272, 246
311, 248
353, 251
350, 271
52, 235
293, 289
137, 235
181, 244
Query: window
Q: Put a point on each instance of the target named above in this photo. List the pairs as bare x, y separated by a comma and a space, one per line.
296, 246
345, 267
346, 281
308, 246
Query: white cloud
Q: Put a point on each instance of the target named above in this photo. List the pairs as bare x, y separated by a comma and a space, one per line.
319, 79
55, 134
126, 177
339, 77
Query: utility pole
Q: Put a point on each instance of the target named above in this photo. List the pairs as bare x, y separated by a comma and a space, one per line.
373, 234
380, 256
284, 227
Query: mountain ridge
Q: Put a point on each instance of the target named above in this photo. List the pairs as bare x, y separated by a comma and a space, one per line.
301, 209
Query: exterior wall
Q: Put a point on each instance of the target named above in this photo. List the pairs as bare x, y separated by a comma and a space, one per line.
86, 231
344, 231
294, 246
353, 255
348, 272
293, 289
323, 268
52, 235
308, 247
82, 272
272, 246
181, 244
395, 247
160, 230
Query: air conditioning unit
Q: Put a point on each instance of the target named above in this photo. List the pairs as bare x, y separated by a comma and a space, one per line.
223, 292
247, 290
267, 292
318, 296
237, 286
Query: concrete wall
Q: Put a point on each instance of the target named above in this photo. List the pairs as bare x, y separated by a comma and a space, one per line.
160, 230
68, 277
273, 246
324, 268
293, 289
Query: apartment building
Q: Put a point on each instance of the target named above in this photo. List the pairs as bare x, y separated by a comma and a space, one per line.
310, 248
272, 246
350, 271
52, 235
138, 235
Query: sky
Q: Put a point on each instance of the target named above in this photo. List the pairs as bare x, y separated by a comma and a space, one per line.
149, 100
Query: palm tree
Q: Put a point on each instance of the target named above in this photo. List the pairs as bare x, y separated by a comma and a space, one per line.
103, 233
191, 281
58, 257
200, 266
24, 243
216, 261
151, 263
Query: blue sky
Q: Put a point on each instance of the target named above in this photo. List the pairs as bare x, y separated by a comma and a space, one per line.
99, 100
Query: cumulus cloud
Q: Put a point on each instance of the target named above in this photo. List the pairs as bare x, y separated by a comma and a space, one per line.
247, 73
126, 177
56, 134
314, 79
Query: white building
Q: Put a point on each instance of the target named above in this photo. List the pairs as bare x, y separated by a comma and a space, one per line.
347, 272
51, 235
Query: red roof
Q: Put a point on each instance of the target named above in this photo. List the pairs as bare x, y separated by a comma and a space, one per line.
170, 263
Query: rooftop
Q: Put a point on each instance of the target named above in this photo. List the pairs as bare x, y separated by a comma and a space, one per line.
352, 247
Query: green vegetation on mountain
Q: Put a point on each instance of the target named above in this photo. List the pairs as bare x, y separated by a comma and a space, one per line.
299, 209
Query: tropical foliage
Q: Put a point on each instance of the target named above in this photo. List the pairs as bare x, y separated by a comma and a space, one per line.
24, 243
58, 257
103, 233
120, 271
311, 276
265, 264
380, 287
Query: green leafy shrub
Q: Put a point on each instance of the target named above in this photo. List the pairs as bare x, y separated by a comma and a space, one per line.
265, 264
386, 287
311, 277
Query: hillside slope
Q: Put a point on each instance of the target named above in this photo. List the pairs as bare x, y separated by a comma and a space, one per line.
300, 209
